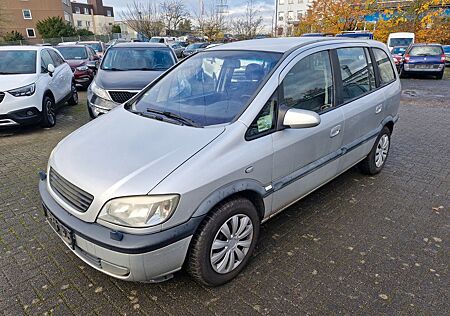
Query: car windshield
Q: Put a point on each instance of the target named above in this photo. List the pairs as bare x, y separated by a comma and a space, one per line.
137, 58
400, 41
73, 52
96, 46
399, 50
209, 88
425, 51
14, 62
194, 46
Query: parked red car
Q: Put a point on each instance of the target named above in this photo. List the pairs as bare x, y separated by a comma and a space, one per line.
397, 53
83, 61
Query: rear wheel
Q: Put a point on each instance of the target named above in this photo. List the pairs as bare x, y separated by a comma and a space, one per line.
224, 242
376, 159
440, 76
48, 112
74, 95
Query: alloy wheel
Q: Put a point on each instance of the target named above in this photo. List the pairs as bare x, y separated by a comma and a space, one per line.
382, 150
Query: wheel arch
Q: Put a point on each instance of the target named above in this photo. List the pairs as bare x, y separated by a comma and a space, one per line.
249, 189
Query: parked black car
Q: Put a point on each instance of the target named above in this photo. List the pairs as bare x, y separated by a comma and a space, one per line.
125, 70
193, 48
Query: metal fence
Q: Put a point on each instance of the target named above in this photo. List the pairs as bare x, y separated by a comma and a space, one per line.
57, 40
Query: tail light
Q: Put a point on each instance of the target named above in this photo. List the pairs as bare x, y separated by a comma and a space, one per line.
442, 58
406, 58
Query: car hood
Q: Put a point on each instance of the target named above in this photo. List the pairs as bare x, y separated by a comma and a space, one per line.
125, 80
124, 154
76, 62
9, 82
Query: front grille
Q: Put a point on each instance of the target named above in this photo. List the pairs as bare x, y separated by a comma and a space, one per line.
121, 96
73, 195
2, 96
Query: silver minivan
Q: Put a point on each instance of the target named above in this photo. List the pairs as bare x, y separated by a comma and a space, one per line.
185, 172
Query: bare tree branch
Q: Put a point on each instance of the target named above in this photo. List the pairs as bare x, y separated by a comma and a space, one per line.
250, 23
144, 18
173, 12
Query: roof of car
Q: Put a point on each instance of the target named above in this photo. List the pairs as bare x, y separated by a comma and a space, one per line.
141, 44
281, 44
73, 45
25, 47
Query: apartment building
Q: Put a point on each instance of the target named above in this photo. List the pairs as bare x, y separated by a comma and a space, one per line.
93, 16
22, 16
288, 13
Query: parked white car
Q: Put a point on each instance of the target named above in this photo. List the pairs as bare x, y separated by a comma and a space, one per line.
34, 81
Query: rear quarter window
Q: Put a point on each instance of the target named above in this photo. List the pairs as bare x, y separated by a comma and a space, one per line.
384, 64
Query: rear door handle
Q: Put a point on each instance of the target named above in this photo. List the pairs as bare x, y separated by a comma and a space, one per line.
335, 131
378, 108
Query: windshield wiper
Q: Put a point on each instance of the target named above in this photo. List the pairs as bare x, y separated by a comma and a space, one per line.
113, 69
176, 117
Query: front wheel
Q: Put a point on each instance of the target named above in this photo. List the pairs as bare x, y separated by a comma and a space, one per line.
74, 95
376, 159
440, 76
48, 112
224, 242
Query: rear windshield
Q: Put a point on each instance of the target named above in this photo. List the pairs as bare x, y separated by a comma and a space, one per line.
399, 50
73, 52
196, 46
14, 62
138, 58
446, 49
96, 46
426, 51
400, 42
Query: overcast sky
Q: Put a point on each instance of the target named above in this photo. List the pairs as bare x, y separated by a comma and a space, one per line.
266, 7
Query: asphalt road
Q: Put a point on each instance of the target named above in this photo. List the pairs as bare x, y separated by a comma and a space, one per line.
359, 245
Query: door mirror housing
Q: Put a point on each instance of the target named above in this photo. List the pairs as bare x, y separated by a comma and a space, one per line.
296, 118
92, 64
50, 69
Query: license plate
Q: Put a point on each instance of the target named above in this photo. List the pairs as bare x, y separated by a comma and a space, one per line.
423, 66
64, 232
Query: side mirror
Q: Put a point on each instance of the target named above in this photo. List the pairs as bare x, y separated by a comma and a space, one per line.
92, 65
50, 69
296, 118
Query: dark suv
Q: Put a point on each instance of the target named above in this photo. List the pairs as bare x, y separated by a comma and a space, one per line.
425, 59
83, 61
125, 70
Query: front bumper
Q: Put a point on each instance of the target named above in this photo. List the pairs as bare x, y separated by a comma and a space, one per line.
25, 116
98, 105
145, 258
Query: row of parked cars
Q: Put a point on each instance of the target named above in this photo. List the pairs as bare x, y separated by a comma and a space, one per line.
422, 59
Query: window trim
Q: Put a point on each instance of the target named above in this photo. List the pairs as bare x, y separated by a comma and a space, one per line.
23, 14
28, 35
276, 111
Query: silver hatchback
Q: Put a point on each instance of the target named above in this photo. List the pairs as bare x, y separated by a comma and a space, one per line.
185, 172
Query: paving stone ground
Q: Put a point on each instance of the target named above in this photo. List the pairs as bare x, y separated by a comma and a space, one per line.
359, 245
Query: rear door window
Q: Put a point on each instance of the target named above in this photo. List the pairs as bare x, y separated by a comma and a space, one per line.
384, 65
356, 73
45, 60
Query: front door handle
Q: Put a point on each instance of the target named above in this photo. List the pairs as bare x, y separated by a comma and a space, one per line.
378, 108
335, 131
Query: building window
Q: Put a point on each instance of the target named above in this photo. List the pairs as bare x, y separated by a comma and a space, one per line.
80, 23
301, 1
290, 15
88, 23
281, 2
280, 16
27, 14
86, 11
67, 17
108, 13
66, 2
77, 10
31, 33
299, 15
290, 1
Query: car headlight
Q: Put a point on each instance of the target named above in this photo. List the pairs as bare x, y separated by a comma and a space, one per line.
23, 91
102, 93
82, 68
139, 211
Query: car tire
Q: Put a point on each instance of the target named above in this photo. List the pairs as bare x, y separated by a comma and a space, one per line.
232, 253
91, 113
376, 159
74, 95
48, 112
440, 76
